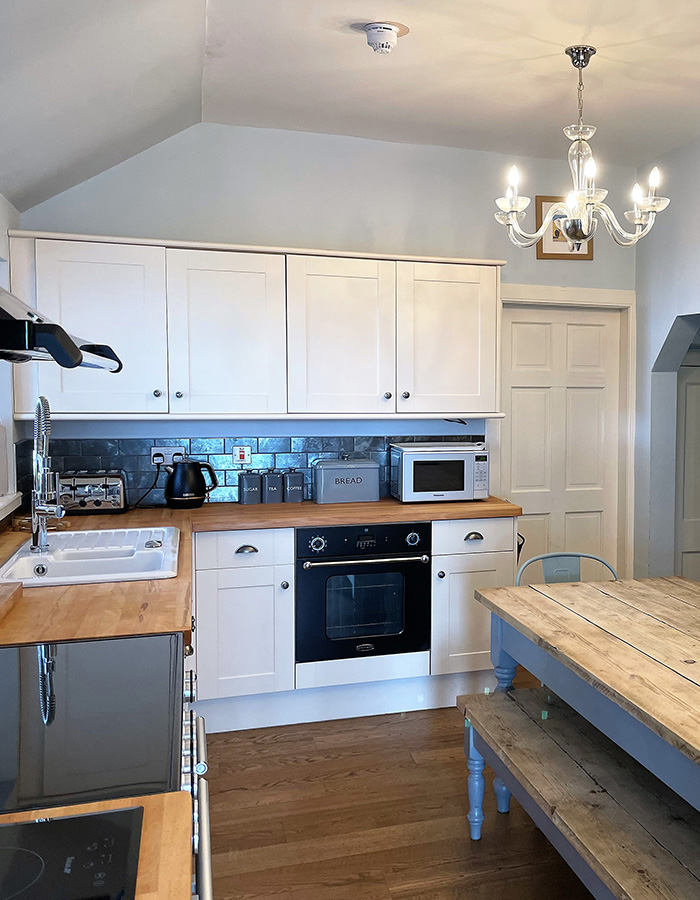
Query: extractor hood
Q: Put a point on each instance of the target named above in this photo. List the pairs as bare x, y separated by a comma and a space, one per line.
26, 335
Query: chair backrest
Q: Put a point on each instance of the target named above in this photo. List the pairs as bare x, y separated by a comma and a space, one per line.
559, 567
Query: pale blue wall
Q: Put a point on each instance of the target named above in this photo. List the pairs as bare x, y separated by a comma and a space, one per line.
668, 285
285, 188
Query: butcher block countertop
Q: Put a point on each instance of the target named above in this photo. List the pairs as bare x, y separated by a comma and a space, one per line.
165, 856
120, 609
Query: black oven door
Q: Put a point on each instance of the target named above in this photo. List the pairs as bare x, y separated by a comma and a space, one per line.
351, 608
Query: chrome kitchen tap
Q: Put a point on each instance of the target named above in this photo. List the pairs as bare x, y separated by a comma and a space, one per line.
45, 503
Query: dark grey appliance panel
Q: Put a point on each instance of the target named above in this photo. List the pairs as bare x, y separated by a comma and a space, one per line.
90, 720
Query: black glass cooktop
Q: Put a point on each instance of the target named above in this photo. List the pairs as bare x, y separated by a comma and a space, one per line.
90, 720
92, 857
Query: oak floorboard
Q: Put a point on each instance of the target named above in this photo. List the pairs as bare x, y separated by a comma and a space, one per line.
367, 809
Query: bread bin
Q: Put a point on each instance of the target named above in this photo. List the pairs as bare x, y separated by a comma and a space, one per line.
346, 480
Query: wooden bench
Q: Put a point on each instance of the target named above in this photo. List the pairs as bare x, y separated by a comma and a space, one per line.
625, 834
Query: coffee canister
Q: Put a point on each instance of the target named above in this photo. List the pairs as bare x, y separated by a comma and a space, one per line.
293, 486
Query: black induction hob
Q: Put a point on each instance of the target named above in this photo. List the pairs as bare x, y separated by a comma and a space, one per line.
90, 720
91, 857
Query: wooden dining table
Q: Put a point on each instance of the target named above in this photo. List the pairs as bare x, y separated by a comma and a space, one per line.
623, 654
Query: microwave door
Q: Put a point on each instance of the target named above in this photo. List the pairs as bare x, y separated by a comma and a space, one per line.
442, 477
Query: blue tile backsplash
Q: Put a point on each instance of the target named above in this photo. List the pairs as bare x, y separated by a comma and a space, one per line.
133, 456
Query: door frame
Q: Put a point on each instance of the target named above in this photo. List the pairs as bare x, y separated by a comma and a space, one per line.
624, 302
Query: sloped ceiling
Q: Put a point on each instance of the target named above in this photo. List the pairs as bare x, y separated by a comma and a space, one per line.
85, 84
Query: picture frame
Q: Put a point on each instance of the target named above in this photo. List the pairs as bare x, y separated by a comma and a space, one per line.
553, 245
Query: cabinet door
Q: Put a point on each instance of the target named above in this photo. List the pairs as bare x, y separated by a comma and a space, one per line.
112, 294
245, 631
461, 627
446, 338
226, 332
341, 334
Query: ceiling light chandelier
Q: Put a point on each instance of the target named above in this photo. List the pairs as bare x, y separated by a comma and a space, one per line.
577, 216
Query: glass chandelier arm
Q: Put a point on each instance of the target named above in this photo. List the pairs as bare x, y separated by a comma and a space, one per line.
527, 239
617, 232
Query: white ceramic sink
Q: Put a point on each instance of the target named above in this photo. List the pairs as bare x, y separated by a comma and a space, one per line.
88, 557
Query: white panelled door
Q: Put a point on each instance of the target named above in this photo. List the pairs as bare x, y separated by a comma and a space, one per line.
341, 335
561, 398
226, 332
688, 474
446, 338
113, 294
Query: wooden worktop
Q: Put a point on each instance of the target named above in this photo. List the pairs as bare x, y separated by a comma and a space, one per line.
121, 609
165, 856
635, 642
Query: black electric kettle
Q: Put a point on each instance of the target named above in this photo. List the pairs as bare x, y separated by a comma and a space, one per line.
186, 487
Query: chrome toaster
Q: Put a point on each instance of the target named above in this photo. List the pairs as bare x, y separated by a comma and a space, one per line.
93, 492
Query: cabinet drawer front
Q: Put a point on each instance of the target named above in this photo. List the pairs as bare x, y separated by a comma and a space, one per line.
451, 536
244, 549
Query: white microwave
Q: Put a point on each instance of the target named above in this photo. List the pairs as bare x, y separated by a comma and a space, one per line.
439, 471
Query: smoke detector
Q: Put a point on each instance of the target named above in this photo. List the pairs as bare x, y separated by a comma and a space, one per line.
382, 36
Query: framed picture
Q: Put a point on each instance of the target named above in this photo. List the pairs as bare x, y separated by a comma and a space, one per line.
554, 245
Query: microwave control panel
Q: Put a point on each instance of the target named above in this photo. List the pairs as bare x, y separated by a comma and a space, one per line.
481, 472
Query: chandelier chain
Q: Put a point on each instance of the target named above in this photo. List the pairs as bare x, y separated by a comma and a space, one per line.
580, 98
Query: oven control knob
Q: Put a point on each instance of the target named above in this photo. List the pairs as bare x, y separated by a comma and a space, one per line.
412, 539
318, 543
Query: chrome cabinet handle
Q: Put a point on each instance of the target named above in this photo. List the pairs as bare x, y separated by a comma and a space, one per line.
157, 393
406, 395
179, 395
203, 861
201, 766
285, 585
247, 548
474, 536
387, 395
441, 574
190, 687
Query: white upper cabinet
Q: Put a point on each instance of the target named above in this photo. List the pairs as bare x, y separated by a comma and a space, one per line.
446, 338
341, 335
226, 332
107, 293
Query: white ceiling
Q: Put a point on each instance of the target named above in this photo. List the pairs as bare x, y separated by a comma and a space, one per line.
85, 84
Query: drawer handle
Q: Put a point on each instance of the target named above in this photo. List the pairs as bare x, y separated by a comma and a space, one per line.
247, 548
474, 536
285, 585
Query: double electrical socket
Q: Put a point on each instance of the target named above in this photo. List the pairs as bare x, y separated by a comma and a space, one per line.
167, 454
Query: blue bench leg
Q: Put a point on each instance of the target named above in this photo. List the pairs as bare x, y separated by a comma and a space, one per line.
502, 796
475, 788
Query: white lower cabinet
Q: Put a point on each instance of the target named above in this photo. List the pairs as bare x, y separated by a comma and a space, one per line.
245, 627
461, 627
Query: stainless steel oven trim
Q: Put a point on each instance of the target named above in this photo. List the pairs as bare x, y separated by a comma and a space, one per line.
365, 562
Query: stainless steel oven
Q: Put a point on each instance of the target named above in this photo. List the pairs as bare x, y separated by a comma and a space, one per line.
362, 590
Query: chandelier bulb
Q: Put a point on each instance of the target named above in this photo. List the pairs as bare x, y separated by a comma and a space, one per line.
590, 169
514, 177
571, 202
654, 180
637, 194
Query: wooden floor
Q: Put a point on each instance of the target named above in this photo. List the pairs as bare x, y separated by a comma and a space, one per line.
367, 809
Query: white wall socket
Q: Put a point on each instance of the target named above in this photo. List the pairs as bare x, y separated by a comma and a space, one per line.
167, 453
241, 454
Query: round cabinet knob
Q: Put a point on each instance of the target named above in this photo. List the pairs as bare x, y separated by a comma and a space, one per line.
412, 539
318, 543
387, 395
157, 393
406, 395
285, 585
441, 574
179, 395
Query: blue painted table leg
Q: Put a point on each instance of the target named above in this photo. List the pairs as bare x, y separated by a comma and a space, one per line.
502, 796
504, 666
475, 788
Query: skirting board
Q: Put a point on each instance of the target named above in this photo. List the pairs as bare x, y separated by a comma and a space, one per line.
347, 701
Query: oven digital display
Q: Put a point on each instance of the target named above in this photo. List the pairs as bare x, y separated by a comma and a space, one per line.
366, 542
482, 457
440, 475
